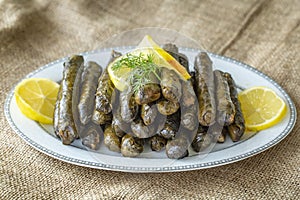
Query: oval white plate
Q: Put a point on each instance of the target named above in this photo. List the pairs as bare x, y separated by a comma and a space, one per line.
245, 76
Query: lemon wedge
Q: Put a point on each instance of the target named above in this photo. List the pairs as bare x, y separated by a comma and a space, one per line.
160, 57
261, 107
36, 98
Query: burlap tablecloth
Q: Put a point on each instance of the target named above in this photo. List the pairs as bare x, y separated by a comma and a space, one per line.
264, 34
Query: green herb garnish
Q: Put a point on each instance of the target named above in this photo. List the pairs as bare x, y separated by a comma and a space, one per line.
143, 68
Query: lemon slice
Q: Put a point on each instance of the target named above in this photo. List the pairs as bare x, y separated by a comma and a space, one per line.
118, 77
166, 59
160, 57
36, 98
261, 107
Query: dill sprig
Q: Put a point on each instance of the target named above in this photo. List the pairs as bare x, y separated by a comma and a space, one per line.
143, 69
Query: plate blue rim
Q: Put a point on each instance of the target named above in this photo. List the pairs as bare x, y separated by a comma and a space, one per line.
280, 137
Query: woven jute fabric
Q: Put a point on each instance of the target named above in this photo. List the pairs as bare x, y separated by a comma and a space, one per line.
263, 34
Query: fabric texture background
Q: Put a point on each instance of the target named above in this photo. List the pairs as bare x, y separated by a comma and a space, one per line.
263, 33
